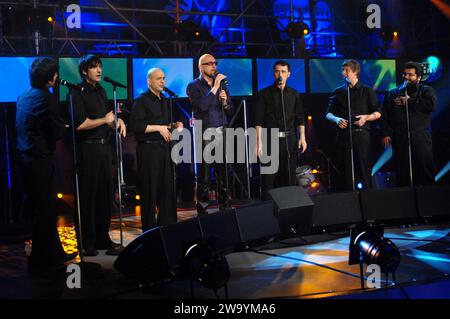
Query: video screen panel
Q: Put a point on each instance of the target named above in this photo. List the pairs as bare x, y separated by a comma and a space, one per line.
266, 78
15, 77
114, 68
239, 73
326, 74
179, 73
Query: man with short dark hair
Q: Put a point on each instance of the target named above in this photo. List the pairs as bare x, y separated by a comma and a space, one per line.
38, 127
421, 100
270, 114
94, 121
364, 109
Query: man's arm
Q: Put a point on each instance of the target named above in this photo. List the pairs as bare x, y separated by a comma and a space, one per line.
340, 122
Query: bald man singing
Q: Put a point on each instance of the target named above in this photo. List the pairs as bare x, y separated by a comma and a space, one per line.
150, 121
211, 103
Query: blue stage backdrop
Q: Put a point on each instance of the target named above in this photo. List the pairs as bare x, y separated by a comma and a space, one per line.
326, 74
115, 68
265, 73
15, 79
239, 74
178, 71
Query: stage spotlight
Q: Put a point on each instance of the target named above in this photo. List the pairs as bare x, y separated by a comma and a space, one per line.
367, 245
395, 34
204, 265
296, 30
137, 197
59, 195
309, 118
389, 34
359, 185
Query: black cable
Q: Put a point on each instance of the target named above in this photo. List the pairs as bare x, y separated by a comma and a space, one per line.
423, 240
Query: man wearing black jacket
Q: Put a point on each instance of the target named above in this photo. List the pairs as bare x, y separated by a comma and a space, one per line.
150, 122
421, 101
38, 127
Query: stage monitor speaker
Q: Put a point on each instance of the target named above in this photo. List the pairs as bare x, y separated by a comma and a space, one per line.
336, 209
257, 221
386, 204
293, 208
433, 200
221, 226
156, 254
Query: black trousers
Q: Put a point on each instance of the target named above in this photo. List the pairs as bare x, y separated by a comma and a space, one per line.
155, 183
421, 157
204, 179
282, 177
96, 193
38, 177
361, 156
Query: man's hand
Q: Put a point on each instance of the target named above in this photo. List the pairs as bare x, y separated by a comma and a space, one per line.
219, 78
223, 96
165, 133
178, 126
302, 144
401, 100
122, 128
386, 141
109, 119
362, 119
259, 148
341, 123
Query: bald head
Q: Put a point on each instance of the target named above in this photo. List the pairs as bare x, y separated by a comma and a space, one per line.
156, 80
207, 65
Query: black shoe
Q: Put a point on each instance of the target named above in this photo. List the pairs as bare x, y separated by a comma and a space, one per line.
46, 269
90, 252
201, 209
109, 245
68, 257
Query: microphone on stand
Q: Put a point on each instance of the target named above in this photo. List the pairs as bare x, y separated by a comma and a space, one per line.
403, 86
115, 83
170, 92
279, 80
70, 85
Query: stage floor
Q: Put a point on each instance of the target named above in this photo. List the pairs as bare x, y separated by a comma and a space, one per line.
314, 266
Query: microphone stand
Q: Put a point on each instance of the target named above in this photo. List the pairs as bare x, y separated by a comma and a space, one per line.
83, 264
411, 181
286, 138
120, 180
174, 171
224, 143
350, 124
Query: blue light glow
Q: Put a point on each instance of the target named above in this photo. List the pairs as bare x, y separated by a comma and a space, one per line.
384, 158
442, 172
359, 185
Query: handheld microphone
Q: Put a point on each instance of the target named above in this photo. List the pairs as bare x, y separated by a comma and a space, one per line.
115, 83
70, 85
224, 81
170, 92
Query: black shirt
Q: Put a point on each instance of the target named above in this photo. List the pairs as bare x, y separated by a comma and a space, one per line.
92, 103
363, 101
269, 111
421, 103
38, 124
207, 106
148, 109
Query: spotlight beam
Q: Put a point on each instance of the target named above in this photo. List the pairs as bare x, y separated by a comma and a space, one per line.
442, 172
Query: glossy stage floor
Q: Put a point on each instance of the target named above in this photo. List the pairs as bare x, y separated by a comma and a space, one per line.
314, 266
